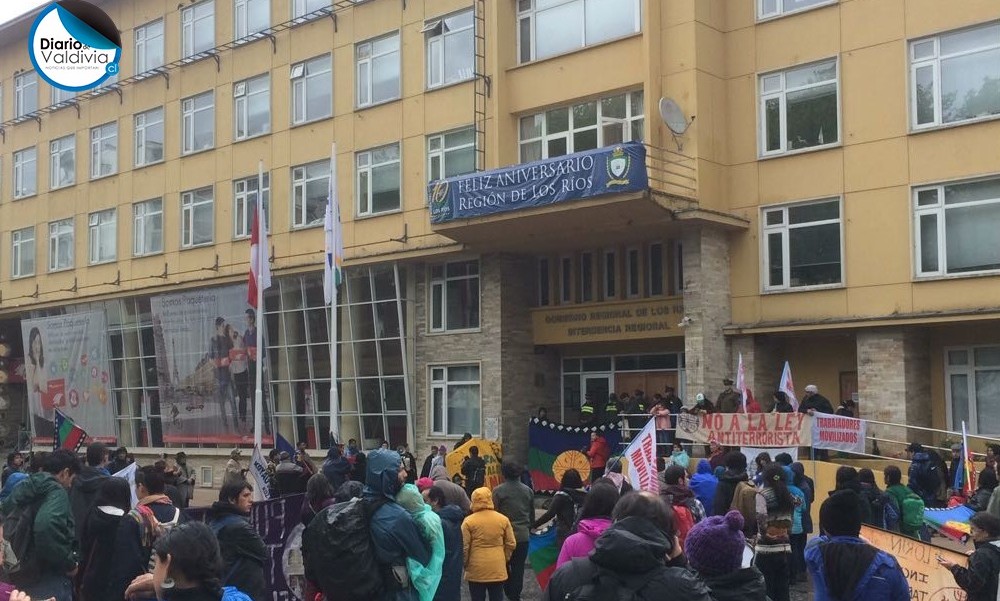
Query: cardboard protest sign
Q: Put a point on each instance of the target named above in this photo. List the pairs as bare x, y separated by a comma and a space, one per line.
766, 430
490, 452
928, 580
839, 433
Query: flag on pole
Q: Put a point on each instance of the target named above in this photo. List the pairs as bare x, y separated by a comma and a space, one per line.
787, 386
741, 383
68, 435
969, 485
333, 265
641, 458
260, 266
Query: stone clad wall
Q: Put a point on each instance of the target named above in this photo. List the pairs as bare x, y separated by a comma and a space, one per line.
707, 303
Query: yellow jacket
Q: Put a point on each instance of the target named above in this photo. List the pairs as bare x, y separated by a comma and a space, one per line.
488, 540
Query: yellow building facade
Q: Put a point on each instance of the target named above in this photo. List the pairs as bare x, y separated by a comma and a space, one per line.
825, 199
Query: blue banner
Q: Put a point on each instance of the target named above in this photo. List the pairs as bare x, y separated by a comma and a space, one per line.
610, 170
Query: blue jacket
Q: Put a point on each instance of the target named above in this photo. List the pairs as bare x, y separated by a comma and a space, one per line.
882, 581
450, 588
336, 469
394, 533
703, 484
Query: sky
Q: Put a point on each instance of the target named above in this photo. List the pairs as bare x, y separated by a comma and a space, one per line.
10, 9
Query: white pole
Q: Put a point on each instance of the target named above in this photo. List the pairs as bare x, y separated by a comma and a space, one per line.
334, 395
262, 256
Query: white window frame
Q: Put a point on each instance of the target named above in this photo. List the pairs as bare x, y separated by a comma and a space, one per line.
25, 94
190, 205
781, 95
609, 285
438, 151
630, 281
60, 96
22, 247
940, 210
142, 214
23, 158
301, 8
102, 225
968, 370
628, 124
143, 122
303, 77
364, 161
243, 95
934, 63
364, 95
190, 47
189, 114
783, 229
781, 12
437, 44
147, 36
57, 148
99, 135
441, 385
244, 24
300, 186
526, 11
59, 235
245, 202
439, 284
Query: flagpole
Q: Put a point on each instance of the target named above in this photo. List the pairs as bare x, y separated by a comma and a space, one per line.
334, 326
258, 400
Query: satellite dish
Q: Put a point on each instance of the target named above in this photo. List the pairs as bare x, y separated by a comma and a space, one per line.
673, 117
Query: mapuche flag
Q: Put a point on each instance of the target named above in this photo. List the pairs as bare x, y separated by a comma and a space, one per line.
68, 434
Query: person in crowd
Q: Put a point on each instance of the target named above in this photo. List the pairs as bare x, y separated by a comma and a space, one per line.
702, 405
703, 484
944, 487
465, 438
36, 460
303, 460
542, 414
120, 460
847, 478
336, 469
424, 484
440, 458
716, 455
588, 412
169, 488
843, 566
137, 530
729, 401
185, 479
798, 541
234, 469
319, 495
595, 518
992, 454
12, 482
425, 470
813, 402
871, 494
15, 463
425, 578
611, 409
753, 405
409, 463
272, 467
980, 579
736, 472
638, 556
243, 550
676, 406
455, 494
100, 529
359, 467
678, 456
488, 543
598, 454
473, 470
517, 502
664, 428
775, 509
714, 549
563, 506
847, 408
986, 483
394, 533
897, 494
761, 461
351, 489
781, 403
186, 567
635, 406
924, 477
614, 474
451, 523
87, 483
687, 509
796, 536
783, 459
289, 477
51, 560
352, 449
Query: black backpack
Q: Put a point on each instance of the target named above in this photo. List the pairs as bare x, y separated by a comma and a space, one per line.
339, 554
19, 531
606, 586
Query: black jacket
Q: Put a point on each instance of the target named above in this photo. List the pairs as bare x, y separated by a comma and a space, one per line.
470, 466
450, 588
979, 580
82, 495
563, 509
96, 550
243, 551
980, 499
745, 584
425, 471
725, 490
337, 471
818, 402
131, 557
630, 554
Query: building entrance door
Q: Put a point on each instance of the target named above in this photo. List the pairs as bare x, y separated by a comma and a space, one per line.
598, 387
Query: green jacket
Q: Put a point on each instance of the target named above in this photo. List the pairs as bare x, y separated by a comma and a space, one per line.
517, 502
55, 546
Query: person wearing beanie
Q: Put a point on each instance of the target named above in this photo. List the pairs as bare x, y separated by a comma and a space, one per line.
979, 580
842, 565
714, 549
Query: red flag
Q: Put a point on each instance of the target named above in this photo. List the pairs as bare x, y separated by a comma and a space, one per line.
259, 264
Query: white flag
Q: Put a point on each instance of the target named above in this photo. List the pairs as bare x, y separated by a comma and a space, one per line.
258, 473
741, 383
787, 386
334, 240
641, 458
128, 473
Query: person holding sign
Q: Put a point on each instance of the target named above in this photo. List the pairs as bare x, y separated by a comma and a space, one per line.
980, 579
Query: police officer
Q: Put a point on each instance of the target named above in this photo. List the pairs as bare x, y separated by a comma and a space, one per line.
611, 408
587, 414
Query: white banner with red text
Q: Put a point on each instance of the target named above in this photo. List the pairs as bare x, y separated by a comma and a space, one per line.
838, 433
766, 430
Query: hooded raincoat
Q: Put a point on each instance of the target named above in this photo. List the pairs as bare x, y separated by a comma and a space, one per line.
488, 540
582, 543
703, 484
425, 578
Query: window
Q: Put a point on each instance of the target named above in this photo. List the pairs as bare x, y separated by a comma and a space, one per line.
544, 283
378, 180
25, 172
252, 110
802, 245
585, 126
22, 253
773, 8
565, 280
586, 294
954, 77
62, 162
451, 154
454, 296
610, 275
25, 94
251, 16
103, 150
312, 90
245, 203
632, 272
654, 270
197, 217
197, 28
549, 27
300, 8
149, 137
450, 49
103, 236
973, 388
61, 245
455, 405
60, 95
147, 233
310, 191
378, 70
956, 227
198, 122
149, 46
799, 108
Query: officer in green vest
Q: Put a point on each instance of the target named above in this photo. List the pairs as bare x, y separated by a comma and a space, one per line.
587, 415
611, 408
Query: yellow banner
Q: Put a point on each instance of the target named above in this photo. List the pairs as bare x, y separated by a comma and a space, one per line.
928, 580
657, 318
747, 429
491, 453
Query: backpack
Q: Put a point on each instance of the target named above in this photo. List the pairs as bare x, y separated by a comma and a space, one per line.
577, 509
890, 512
605, 585
745, 501
339, 554
151, 529
913, 512
19, 531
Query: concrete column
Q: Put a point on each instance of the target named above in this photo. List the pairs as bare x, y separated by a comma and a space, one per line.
706, 303
894, 378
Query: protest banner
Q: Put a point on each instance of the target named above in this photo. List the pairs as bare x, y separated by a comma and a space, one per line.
928, 580
490, 452
838, 433
766, 430
640, 459
258, 473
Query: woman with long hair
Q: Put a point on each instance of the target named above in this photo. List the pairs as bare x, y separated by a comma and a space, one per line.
775, 509
37, 380
563, 506
100, 528
595, 518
